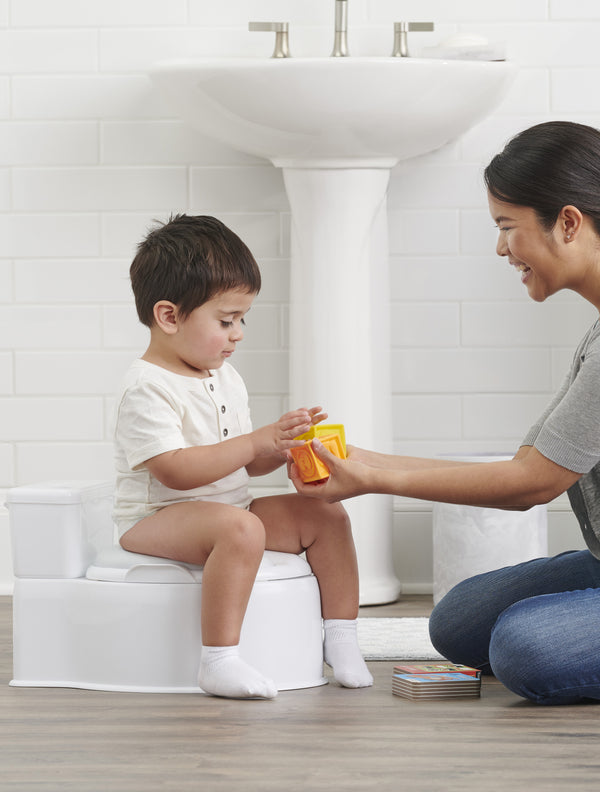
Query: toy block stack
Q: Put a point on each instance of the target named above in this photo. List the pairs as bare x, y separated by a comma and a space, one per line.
310, 467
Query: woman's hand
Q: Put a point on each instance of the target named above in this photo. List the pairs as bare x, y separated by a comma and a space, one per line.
347, 477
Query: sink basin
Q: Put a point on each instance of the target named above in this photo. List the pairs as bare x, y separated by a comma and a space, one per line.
307, 110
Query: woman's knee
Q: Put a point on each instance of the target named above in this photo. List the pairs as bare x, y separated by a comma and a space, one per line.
460, 625
445, 623
525, 656
515, 653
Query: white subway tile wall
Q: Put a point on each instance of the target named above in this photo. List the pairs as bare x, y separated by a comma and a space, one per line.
90, 155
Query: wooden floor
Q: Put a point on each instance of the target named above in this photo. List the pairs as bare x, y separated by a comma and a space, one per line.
326, 738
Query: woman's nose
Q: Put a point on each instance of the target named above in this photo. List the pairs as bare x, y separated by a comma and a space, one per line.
501, 246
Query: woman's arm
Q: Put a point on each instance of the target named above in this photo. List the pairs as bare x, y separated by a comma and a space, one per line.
517, 484
394, 462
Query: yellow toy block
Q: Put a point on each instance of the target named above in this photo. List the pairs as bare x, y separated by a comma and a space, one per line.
323, 430
310, 467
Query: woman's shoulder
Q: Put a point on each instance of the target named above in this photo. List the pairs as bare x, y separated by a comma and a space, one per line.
590, 343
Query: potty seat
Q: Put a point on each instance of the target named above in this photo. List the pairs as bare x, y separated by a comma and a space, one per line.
108, 619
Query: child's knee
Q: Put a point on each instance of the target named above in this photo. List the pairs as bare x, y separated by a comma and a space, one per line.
335, 515
245, 532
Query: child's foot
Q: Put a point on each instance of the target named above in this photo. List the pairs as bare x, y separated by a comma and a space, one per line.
224, 673
343, 654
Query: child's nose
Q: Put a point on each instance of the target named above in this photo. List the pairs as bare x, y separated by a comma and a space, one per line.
237, 332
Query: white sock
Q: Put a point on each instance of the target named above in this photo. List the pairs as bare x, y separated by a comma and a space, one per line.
224, 673
343, 654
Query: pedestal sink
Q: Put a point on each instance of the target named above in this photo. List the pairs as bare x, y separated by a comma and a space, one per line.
336, 126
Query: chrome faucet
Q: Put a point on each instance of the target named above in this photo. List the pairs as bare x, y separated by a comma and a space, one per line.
282, 47
401, 30
340, 42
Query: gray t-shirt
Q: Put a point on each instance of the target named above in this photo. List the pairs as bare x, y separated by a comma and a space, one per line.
568, 433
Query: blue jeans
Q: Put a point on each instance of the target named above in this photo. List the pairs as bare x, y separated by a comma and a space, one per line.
535, 626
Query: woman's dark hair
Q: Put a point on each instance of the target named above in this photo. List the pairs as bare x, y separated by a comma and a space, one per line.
188, 260
549, 166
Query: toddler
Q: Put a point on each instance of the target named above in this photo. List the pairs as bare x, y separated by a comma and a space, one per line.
185, 450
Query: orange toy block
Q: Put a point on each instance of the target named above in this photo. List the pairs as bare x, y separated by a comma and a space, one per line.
310, 467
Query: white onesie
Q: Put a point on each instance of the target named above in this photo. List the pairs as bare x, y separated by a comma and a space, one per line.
161, 411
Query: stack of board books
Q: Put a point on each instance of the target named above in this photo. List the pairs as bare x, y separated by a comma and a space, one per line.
436, 681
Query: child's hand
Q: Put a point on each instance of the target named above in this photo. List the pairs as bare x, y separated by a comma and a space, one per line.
278, 437
316, 416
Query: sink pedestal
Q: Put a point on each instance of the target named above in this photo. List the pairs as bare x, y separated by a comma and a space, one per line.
340, 333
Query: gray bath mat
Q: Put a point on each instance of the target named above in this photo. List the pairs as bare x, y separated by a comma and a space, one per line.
396, 639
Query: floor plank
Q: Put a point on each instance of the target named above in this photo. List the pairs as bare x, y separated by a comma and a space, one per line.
319, 739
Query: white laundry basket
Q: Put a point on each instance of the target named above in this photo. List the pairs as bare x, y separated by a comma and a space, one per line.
469, 540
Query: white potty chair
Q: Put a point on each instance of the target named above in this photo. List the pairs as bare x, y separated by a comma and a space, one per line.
88, 614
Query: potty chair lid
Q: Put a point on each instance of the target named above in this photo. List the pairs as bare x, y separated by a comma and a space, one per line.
58, 493
115, 565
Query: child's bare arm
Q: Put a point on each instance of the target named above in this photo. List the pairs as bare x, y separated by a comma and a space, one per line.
188, 468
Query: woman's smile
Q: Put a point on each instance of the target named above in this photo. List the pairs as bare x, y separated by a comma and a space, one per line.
522, 268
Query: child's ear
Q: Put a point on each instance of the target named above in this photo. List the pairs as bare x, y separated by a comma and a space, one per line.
165, 316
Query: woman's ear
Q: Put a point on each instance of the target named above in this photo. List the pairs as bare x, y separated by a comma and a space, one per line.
165, 316
570, 221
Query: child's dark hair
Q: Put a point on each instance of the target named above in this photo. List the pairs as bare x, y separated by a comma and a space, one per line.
188, 260
549, 166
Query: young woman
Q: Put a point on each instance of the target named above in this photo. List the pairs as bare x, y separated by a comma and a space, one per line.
535, 626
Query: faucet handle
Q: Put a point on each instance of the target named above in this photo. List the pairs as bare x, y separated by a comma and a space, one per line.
401, 30
282, 49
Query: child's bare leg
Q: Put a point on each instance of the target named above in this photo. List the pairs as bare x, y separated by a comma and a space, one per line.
228, 542
295, 524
